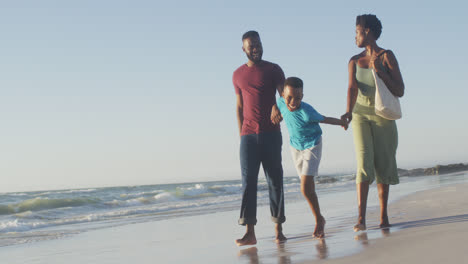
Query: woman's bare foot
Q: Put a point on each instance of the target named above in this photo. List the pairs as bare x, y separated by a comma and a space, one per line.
384, 223
361, 224
319, 231
280, 238
248, 239
359, 227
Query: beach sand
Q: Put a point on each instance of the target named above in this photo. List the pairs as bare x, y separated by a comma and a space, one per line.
428, 227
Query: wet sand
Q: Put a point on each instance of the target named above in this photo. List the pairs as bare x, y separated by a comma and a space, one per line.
428, 227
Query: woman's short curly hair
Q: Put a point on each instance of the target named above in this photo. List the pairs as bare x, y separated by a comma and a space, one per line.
371, 22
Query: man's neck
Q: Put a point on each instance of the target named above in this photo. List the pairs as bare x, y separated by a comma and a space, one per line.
252, 63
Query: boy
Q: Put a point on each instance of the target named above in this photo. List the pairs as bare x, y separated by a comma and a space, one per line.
306, 141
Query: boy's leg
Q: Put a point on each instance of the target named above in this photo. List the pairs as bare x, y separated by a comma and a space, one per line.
271, 160
311, 161
250, 166
308, 190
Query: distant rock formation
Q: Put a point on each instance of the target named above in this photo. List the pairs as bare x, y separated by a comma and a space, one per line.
437, 170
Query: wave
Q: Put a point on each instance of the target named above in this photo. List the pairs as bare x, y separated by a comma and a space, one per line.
66, 191
38, 204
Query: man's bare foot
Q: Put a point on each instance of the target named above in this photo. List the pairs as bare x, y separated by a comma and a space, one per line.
280, 238
319, 228
248, 239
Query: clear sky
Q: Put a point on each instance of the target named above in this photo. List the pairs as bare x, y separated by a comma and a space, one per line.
105, 93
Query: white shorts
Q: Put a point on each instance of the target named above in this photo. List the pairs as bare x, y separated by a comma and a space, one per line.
307, 161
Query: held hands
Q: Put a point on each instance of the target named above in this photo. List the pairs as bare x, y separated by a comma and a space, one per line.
344, 124
346, 119
276, 116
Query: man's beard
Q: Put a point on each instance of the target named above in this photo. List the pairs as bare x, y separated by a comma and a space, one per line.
255, 58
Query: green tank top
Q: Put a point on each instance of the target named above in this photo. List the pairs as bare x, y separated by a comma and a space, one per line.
366, 94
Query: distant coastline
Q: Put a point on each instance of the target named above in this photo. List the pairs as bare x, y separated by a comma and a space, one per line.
436, 170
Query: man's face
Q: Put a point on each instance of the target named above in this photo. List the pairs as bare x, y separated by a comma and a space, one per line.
292, 97
253, 49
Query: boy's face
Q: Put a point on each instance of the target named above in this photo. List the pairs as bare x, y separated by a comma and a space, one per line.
292, 97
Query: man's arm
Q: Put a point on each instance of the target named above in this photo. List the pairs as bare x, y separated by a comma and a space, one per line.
240, 112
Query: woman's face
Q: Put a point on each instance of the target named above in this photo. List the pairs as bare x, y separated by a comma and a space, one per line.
361, 36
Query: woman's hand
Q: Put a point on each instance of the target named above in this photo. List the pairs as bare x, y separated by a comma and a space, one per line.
376, 62
347, 117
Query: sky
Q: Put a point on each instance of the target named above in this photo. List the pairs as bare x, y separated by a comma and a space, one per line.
112, 93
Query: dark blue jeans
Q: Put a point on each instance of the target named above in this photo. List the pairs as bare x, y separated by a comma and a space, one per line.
264, 149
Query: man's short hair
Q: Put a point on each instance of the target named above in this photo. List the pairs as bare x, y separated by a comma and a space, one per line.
294, 82
250, 34
371, 22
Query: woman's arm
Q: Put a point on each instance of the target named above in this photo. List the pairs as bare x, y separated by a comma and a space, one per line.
392, 78
352, 91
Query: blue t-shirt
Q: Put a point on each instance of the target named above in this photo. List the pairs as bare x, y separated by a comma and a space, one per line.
303, 124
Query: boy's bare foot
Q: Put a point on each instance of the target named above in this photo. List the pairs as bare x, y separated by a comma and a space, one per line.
319, 228
248, 239
280, 238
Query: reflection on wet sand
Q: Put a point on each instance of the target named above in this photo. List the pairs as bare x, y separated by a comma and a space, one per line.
250, 253
322, 249
363, 238
283, 253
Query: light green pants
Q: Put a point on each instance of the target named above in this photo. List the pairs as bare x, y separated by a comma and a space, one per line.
375, 141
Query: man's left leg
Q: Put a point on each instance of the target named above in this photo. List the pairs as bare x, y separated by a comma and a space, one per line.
270, 153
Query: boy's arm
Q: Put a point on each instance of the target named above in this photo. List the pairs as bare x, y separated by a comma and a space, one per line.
240, 112
335, 121
276, 116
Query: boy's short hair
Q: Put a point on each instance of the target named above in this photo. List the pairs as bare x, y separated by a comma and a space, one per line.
371, 22
294, 82
250, 34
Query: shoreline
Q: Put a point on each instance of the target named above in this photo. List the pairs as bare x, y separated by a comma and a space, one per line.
422, 209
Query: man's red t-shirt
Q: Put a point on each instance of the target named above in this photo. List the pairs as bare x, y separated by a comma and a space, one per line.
258, 85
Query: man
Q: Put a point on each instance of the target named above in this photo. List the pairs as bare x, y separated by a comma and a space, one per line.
256, 83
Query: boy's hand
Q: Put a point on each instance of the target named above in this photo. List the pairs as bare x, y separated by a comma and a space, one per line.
344, 124
276, 116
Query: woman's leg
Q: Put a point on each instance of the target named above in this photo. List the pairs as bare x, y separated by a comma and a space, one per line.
364, 147
383, 198
362, 192
386, 173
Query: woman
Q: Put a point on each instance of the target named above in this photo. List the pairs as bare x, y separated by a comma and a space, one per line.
375, 138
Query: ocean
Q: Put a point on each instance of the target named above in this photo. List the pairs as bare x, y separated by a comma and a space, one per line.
29, 217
